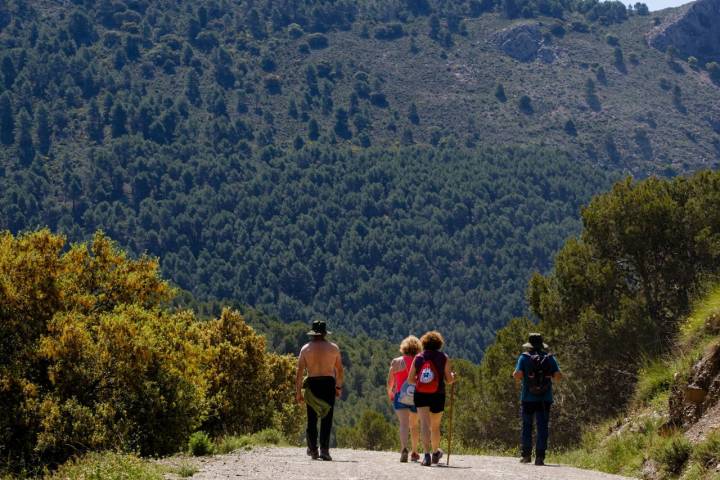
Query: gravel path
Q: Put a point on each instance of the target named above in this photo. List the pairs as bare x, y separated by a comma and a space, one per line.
293, 464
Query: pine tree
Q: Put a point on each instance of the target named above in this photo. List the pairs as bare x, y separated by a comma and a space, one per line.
500, 92
298, 143
407, 137
434, 23
570, 128
118, 121
341, 123
525, 104
26, 150
108, 103
292, 108
95, 124
413, 114
192, 90
7, 120
43, 130
313, 129
8, 71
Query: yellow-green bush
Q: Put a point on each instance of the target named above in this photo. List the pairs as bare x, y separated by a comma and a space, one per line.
108, 466
91, 358
246, 386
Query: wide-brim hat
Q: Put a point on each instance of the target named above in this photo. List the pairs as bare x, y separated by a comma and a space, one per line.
534, 341
318, 328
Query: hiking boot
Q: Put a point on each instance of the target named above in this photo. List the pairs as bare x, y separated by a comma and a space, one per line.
525, 459
539, 461
437, 456
404, 455
313, 453
414, 457
427, 461
325, 455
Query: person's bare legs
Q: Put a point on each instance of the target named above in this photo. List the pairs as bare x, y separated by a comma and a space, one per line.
424, 414
435, 420
414, 431
403, 415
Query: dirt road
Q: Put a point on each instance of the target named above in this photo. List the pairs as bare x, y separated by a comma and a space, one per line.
293, 464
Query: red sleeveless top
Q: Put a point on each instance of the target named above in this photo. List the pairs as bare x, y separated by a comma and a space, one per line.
402, 375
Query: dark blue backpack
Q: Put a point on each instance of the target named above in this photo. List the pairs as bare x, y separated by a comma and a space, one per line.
539, 378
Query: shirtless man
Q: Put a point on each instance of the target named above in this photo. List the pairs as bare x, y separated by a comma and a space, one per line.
321, 360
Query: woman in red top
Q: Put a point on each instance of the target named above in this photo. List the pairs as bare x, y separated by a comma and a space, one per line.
407, 414
430, 372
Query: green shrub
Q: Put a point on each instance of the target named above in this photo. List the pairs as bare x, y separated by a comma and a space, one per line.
232, 443
674, 454
108, 466
371, 432
200, 444
558, 29
580, 27
654, 378
707, 453
295, 30
185, 470
317, 41
391, 31
269, 436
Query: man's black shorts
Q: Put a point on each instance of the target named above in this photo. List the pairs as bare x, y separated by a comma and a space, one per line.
436, 401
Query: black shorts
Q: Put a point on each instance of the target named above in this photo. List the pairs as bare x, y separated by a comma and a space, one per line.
436, 401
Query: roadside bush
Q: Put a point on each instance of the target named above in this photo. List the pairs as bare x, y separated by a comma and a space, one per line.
91, 359
246, 385
269, 436
231, 443
199, 444
108, 466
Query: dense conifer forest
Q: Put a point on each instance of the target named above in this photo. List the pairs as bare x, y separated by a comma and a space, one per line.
159, 123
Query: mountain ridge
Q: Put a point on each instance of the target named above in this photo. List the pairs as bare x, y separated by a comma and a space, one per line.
381, 167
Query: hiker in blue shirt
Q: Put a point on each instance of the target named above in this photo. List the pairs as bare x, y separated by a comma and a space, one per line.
536, 369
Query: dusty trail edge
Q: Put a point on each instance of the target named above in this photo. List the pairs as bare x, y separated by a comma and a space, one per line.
280, 463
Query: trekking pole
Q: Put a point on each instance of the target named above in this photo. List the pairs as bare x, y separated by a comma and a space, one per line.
450, 424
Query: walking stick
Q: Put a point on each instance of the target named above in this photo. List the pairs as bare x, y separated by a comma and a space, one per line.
450, 425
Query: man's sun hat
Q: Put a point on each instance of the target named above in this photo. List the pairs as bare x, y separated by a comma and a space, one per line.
535, 341
318, 328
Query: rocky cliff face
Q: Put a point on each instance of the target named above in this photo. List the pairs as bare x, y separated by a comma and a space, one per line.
694, 30
691, 401
524, 43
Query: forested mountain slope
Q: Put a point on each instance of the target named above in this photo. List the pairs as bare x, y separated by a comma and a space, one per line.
389, 165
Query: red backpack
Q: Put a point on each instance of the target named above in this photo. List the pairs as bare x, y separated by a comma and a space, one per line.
427, 379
